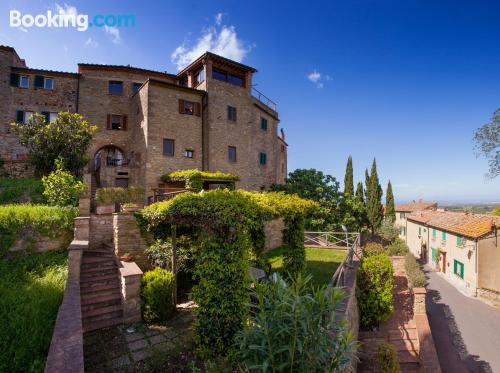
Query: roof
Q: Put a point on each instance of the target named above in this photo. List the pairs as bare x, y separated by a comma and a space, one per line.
6, 48
127, 68
462, 223
220, 58
43, 71
416, 206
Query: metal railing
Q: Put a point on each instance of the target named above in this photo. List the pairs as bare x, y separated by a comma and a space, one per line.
264, 99
159, 196
337, 240
354, 249
113, 162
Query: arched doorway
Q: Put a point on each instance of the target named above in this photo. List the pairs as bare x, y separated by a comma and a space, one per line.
104, 164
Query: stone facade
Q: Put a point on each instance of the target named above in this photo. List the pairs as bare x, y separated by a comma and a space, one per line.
130, 278
273, 231
127, 239
128, 147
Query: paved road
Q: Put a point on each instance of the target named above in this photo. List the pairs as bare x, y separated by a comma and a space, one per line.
466, 331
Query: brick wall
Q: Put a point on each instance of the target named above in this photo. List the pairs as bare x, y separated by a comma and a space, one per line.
101, 230
273, 231
127, 238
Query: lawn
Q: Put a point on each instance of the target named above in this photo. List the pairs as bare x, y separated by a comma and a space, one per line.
31, 290
321, 263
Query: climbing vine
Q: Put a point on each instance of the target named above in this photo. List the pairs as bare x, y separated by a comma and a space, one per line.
194, 179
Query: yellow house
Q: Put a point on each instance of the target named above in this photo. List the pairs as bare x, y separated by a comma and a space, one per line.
462, 246
405, 209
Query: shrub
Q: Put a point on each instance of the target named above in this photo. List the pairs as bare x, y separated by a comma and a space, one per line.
47, 221
388, 230
387, 358
295, 329
32, 289
157, 294
28, 190
160, 253
294, 257
398, 247
193, 179
61, 188
416, 278
372, 248
112, 195
374, 289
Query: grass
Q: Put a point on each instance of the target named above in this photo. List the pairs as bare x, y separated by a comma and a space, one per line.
320, 263
21, 190
31, 289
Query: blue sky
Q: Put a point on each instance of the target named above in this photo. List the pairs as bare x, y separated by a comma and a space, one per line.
406, 82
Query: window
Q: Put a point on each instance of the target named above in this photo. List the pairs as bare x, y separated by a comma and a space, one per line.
48, 83
459, 241
115, 88
282, 148
183, 82
231, 113
117, 122
458, 269
168, 147
230, 78
49, 117
23, 116
263, 124
219, 75
231, 153
402, 231
443, 236
401, 215
24, 81
199, 76
189, 108
262, 159
419, 231
135, 87
188, 153
282, 168
433, 232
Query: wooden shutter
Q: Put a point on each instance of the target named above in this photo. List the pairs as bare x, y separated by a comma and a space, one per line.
46, 114
197, 109
124, 123
181, 106
38, 81
108, 123
20, 116
14, 80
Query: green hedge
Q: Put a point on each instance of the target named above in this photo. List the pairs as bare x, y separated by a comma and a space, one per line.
374, 289
31, 291
48, 221
416, 278
397, 247
193, 179
21, 191
387, 358
157, 295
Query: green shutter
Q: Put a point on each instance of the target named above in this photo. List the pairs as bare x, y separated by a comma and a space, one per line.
459, 240
434, 232
458, 268
46, 114
14, 80
419, 231
38, 81
443, 236
20, 116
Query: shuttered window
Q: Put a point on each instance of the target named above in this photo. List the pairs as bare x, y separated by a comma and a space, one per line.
39, 81
189, 108
262, 159
116, 122
459, 240
263, 124
168, 147
231, 113
458, 268
231, 153
443, 236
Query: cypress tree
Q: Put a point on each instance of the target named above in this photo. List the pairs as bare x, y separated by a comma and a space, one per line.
374, 201
367, 183
390, 212
360, 193
348, 179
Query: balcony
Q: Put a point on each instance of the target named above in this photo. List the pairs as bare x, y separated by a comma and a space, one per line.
263, 99
112, 162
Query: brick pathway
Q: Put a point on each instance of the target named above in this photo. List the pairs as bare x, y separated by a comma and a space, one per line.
123, 349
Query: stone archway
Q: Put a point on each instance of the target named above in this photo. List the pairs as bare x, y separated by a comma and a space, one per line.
104, 164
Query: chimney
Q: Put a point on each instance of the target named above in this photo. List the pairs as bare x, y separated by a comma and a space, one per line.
282, 134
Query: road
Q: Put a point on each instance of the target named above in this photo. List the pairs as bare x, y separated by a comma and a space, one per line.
466, 331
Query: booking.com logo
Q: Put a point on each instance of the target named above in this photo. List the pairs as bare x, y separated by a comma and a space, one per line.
64, 20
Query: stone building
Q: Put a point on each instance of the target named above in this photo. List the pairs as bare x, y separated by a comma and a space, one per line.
207, 117
403, 210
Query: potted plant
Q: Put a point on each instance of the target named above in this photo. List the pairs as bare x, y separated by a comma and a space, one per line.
104, 201
133, 199
127, 257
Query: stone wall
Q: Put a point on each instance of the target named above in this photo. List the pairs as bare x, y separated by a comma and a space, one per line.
127, 238
101, 230
273, 230
30, 240
130, 278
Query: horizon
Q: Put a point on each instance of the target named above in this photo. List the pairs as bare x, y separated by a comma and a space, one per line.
405, 84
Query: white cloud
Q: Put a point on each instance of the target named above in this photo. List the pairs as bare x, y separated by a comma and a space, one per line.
114, 34
91, 43
219, 39
318, 79
66, 9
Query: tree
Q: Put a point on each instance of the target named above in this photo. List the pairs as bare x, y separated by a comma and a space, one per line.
487, 143
68, 137
374, 207
496, 211
367, 183
390, 212
348, 179
360, 193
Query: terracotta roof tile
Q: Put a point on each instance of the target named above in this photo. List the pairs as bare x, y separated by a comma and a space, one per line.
416, 206
465, 224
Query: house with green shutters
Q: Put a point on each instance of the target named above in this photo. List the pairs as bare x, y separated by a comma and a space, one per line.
462, 246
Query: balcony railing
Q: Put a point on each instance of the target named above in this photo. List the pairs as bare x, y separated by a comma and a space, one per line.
264, 99
112, 162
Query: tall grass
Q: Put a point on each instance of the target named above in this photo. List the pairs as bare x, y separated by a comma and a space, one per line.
31, 291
